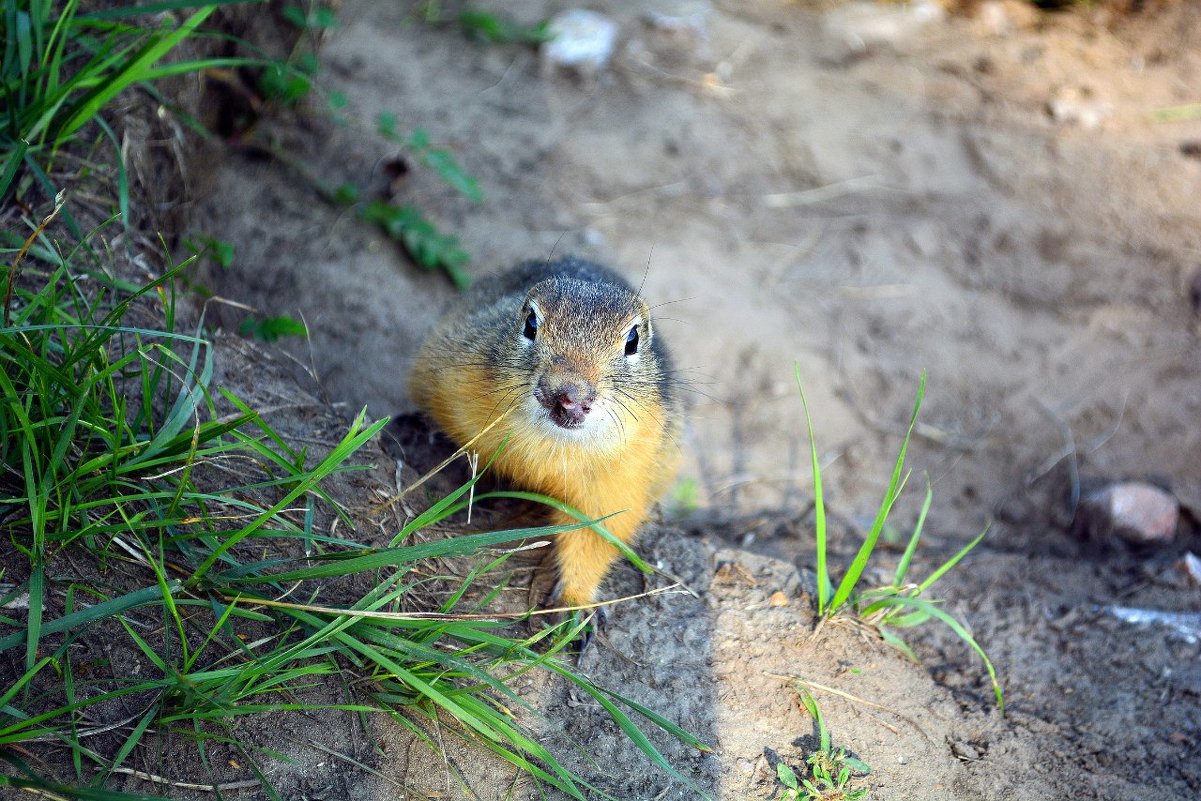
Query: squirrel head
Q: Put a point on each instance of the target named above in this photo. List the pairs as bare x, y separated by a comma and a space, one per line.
585, 347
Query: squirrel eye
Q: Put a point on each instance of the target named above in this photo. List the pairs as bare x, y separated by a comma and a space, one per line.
531, 326
632, 341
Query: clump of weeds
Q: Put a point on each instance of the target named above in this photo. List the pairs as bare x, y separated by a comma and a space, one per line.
829, 772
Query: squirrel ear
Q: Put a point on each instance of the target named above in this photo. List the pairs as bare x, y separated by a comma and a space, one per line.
645, 313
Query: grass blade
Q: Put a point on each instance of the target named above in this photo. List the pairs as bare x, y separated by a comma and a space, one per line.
135, 70
865, 550
911, 546
86, 617
954, 560
824, 586
934, 611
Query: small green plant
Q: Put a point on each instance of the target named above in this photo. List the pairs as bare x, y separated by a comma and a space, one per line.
218, 251
317, 17
290, 80
898, 605
830, 770
426, 245
685, 497
488, 27
439, 159
270, 329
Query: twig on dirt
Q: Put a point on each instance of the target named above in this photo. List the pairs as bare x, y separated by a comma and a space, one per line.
351, 761
679, 582
813, 685
818, 194
207, 788
89, 732
1117, 424
672, 189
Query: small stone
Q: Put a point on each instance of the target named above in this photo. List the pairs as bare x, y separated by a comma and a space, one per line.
685, 21
582, 40
1002, 17
1136, 512
859, 25
681, 16
1074, 106
994, 19
777, 599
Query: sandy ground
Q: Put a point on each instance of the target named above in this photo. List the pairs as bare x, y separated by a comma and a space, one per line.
985, 197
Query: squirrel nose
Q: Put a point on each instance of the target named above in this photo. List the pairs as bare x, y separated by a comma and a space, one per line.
569, 398
568, 403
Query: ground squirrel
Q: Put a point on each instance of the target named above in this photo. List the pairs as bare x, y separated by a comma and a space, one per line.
566, 353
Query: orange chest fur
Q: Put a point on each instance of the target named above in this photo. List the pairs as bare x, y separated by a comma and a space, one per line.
596, 478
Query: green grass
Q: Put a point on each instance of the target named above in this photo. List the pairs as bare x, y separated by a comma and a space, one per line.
171, 564
62, 66
154, 512
901, 604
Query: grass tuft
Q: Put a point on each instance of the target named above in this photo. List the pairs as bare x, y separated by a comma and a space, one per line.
61, 66
154, 515
898, 605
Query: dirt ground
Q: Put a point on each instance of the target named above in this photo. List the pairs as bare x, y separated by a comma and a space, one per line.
866, 192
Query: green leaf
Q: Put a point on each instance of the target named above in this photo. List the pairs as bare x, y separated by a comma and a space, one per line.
386, 126
270, 329
346, 194
296, 16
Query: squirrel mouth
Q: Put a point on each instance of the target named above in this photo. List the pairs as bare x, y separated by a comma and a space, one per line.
564, 418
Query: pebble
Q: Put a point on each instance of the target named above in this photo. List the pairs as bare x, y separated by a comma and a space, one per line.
689, 17
1003, 17
582, 40
1194, 292
1074, 106
1136, 512
684, 21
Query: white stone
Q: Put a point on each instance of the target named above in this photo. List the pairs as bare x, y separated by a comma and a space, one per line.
582, 40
